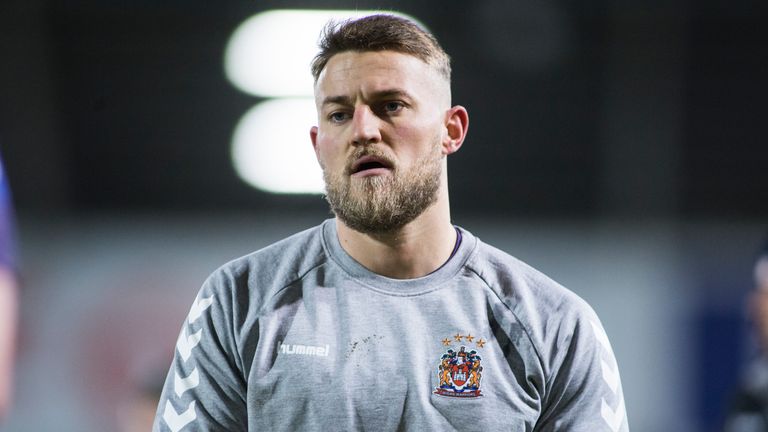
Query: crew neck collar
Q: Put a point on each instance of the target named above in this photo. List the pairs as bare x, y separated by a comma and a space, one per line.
403, 287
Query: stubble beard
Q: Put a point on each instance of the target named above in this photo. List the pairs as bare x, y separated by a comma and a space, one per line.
384, 204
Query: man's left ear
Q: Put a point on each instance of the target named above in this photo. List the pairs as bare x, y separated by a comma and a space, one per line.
456, 124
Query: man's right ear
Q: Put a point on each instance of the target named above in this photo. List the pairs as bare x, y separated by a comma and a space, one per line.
313, 136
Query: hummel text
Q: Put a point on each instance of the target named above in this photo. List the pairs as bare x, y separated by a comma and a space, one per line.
319, 351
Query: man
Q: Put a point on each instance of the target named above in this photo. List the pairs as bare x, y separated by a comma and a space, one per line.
8, 296
345, 326
748, 410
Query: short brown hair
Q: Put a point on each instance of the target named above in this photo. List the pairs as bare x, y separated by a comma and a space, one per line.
379, 33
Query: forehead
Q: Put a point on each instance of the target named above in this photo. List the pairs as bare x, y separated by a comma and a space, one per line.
353, 72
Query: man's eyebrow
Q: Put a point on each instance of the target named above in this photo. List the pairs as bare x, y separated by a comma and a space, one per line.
389, 93
378, 95
340, 100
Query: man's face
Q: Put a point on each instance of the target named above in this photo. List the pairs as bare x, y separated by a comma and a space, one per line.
379, 137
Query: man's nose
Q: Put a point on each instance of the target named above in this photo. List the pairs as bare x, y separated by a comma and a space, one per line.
365, 125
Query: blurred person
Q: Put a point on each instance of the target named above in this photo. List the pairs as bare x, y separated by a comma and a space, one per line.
8, 296
388, 317
749, 407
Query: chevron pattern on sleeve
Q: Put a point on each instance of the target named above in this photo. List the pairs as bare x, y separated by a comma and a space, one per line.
185, 344
613, 417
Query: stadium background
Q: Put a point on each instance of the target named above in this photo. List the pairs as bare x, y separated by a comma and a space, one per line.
617, 146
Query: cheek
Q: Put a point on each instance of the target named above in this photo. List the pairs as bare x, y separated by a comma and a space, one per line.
418, 143
331, 138
410, 137
328, 152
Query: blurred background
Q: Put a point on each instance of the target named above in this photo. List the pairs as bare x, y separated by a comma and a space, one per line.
617, 146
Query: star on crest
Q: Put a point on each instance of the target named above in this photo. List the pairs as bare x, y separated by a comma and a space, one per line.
480, 343
458, 337
447, 342
469, 337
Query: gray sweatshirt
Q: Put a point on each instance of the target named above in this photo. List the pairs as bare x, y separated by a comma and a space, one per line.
299, 336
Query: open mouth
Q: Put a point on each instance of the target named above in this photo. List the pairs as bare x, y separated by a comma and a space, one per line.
370, 165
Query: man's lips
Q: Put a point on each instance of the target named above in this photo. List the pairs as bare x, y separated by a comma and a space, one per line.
370, 165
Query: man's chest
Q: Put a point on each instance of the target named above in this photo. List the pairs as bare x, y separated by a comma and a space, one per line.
393, 363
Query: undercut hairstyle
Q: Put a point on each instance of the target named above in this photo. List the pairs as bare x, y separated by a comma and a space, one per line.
380, 33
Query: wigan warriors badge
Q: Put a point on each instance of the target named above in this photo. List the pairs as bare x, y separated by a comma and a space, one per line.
459, 372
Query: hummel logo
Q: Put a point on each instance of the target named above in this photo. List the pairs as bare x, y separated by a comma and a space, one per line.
319, 351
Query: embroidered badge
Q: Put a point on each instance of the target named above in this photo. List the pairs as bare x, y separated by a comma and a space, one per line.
459, 372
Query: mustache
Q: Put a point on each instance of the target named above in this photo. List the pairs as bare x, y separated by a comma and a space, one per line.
367, 151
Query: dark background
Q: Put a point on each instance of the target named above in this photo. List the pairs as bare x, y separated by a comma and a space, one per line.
578, 109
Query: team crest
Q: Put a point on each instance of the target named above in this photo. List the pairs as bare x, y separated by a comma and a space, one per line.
459, 372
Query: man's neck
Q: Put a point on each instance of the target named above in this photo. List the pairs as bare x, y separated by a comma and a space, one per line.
415, 250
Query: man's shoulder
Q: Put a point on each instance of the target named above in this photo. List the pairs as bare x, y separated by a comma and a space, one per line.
546, 310
508, 273
529, 293
274, 266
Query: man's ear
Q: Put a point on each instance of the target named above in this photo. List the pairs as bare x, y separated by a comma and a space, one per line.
313, 137
456, 126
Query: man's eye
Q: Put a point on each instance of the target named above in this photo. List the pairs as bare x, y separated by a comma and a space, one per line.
337, 117
391, 107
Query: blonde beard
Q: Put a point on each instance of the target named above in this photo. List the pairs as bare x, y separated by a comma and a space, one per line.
380, 204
